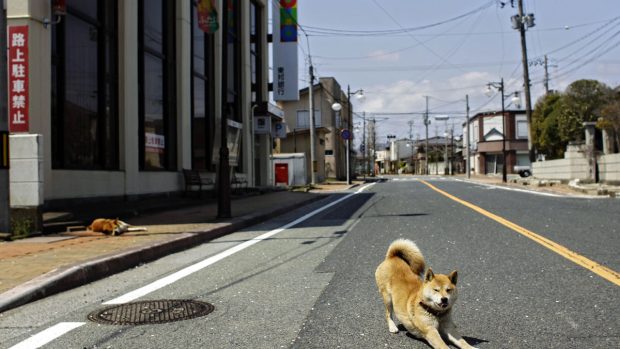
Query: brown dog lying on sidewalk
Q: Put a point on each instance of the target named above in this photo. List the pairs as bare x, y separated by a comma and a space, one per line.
423, 306
112, 226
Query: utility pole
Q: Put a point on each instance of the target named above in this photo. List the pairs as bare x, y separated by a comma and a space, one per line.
374, 146
546, 77
313, 162
547, 65
426, 123
504, 132
526, 81
364, 145
410, 129
5, 209
468, 163
412, 145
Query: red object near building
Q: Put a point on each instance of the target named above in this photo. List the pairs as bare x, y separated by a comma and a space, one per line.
281, 173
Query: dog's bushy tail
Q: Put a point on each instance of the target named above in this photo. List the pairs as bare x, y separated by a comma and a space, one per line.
408, 251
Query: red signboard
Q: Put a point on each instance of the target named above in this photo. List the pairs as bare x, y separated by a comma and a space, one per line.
18, 78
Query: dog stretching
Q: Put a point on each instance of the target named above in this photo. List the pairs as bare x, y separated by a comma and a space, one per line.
422, 304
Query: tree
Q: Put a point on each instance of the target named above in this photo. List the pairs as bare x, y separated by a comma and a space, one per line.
558, 118
610, 117
545, 135
583, 101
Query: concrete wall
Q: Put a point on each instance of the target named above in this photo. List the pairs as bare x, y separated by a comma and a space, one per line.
578, 168
609, 168
567, 169
26, 170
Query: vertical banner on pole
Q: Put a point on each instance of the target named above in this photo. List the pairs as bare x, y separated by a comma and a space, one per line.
285, 85
18, 78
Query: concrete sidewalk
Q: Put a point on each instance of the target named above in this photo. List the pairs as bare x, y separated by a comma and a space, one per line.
37, 267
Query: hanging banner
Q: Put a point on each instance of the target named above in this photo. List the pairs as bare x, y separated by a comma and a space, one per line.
18, 78
207, 16
285, 85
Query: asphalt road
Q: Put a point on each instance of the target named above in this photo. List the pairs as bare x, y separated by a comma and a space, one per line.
311, 285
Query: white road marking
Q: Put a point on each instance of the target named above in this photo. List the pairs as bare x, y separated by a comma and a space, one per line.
48, 335
128, 297
492, 186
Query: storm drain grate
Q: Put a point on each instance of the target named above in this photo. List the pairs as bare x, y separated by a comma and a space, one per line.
151, 312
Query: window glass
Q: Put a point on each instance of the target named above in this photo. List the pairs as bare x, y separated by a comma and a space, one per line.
303, 119
198, 43
154, 127
233, 61
254, 50
84, 87
199, 126
158, 97
81, 93
153, 25
84, 7
203, 121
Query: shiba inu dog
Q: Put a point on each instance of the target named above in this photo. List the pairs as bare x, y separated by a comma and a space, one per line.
112, 226
422, 304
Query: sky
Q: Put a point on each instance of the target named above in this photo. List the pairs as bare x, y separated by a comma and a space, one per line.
399, 51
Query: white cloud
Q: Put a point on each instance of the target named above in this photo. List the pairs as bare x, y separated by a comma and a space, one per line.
384, 56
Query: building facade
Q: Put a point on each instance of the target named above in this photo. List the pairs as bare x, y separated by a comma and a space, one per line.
124, 94
489, 142
330, 147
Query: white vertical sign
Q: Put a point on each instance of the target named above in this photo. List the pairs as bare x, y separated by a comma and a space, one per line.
285, 85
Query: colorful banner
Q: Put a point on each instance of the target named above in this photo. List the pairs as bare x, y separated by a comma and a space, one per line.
207, 16
288, 20
285, 70
18, 79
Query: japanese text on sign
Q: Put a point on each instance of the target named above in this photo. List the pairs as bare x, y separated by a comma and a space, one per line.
18, 79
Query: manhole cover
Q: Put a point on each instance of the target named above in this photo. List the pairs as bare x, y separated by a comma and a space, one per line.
151, 312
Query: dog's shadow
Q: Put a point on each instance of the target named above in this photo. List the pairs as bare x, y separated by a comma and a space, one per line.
470, 340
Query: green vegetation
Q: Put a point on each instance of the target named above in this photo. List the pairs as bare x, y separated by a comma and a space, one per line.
558, 117
21, 228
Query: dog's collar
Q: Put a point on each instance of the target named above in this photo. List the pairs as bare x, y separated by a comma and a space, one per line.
434, 311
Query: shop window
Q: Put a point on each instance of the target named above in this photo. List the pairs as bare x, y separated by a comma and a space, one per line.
256, 35
157, 85
232, 67
84, 87
203, 97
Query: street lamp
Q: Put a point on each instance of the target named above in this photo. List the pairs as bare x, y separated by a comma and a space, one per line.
445, 158
360, 97
346, 133
516, 100
488, 92
337, 107
391, 139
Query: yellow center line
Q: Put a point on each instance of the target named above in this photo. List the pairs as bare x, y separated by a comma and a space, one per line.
572, 256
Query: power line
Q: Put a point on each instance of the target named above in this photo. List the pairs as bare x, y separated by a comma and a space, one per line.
400, 30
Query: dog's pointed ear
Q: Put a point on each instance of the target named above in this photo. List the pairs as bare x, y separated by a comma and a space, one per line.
429, 275
453, 277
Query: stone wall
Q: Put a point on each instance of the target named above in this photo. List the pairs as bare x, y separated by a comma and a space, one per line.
573, 166
609, 168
